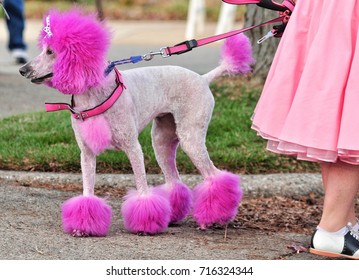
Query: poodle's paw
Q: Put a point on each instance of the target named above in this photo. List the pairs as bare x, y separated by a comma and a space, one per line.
86, 216
216, 199
79, 233
148, 213
181, 200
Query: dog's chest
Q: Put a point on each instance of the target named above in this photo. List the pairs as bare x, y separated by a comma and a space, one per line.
95, 134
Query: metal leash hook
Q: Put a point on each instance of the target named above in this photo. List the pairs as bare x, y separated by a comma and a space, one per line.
6, 14
134, 59
149, 56
270, 34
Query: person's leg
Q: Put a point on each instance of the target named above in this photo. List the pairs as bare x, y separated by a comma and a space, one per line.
16, 26
341, 184
333, 238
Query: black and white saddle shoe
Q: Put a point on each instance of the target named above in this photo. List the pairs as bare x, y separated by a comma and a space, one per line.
329, 245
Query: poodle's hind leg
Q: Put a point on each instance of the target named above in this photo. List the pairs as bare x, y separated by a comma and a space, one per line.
165, 143
216, 199
145, 210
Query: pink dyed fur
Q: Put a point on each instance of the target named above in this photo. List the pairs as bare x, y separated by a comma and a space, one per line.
236, 53
81, 55
216, 199
86, 216
148, 213
96, 134
181, 201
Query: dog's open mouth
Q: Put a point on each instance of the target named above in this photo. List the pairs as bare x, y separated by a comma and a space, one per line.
40, 80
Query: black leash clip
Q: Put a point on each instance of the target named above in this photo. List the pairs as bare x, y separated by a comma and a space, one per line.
190, 44
273, 5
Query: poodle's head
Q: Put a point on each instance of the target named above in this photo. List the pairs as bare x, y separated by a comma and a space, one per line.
74, 47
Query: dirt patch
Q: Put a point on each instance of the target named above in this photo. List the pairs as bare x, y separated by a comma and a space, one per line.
281, 214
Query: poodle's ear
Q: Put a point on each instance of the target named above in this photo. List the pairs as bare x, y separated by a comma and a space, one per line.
74, 72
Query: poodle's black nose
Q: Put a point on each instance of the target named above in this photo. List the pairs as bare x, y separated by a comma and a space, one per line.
23, 70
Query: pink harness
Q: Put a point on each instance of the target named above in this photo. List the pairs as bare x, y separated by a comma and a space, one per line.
99, 109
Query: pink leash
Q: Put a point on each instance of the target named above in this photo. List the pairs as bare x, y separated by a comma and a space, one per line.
189, 45
285, 9
103, 107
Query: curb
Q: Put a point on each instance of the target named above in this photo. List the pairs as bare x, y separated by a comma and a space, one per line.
291, 184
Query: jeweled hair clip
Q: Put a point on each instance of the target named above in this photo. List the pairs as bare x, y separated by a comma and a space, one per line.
47, 28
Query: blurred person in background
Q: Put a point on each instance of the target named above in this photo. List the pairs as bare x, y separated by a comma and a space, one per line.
16, 26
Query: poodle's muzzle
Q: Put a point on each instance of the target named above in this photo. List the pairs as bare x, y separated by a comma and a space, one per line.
28, 72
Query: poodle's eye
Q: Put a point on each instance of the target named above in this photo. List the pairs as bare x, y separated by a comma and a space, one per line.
49, 52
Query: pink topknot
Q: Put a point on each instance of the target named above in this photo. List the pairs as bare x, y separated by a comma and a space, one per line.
80, 43
236, 54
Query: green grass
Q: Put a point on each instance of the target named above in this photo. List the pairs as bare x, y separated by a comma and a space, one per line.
45, 141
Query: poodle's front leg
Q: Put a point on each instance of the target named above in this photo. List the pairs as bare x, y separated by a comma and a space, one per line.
87, 214
88, 168
144, 210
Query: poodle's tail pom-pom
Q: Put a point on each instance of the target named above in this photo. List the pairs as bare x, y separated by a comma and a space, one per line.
236, 55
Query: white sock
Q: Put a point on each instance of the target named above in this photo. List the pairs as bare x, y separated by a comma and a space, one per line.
343, 231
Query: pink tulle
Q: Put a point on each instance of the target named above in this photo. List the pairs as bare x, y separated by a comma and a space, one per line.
308, 153
216, 199
146, 213
236, 52
86, 216
181, 201
96, 133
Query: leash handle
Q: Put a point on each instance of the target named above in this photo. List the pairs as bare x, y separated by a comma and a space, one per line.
268, 4
285, 9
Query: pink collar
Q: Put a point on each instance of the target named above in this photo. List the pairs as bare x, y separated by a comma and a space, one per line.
99, 109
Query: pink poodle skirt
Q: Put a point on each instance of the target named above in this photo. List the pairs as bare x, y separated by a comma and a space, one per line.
309, 107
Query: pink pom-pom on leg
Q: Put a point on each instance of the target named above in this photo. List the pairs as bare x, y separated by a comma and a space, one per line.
148, 213
181, 200
86, 216
216, 199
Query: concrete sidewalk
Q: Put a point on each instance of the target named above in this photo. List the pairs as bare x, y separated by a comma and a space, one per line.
30, 223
